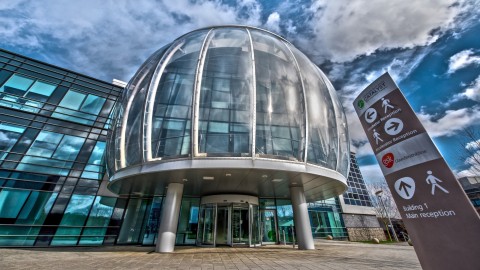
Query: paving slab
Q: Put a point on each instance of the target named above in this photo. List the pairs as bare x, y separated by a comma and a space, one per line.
329, 255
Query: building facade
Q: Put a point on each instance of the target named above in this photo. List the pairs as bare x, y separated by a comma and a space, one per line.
53, 134
471, 186
359, 215
53, 128
230, 115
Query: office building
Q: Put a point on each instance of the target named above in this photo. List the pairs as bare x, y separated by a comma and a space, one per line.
222, 137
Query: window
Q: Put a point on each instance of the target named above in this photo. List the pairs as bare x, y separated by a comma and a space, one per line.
52, 153
25, 94
73, 220
94, 168
9, 135
98, 220
78, 107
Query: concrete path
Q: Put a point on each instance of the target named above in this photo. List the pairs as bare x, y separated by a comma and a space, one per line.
328, 255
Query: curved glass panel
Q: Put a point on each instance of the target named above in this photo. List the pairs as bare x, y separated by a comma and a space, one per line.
343, 151
322, 134
280, 119
172, 115
225, 95
244, 101
136, 107
116, 149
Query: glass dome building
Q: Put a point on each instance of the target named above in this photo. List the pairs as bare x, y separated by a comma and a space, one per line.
231, 115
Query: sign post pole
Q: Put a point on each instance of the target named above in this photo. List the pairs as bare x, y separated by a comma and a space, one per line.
442, 223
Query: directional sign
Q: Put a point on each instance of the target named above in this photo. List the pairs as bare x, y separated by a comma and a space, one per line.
393, 126
433, 205
370, 115
405, 187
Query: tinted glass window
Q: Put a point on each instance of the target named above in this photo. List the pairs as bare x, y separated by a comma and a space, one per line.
78, 107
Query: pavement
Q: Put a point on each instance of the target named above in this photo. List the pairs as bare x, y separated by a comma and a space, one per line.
327, 255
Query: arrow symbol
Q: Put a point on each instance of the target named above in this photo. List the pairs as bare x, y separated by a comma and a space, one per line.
370, 114
393, 125
405, 188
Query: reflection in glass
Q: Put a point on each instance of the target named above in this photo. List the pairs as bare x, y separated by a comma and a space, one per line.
131, 229
225, 96
9, 135
280, 111
188, 221
73, 219
97, 221
172, 114
79, 107
95, 167
25, 94
29, 208
52, 153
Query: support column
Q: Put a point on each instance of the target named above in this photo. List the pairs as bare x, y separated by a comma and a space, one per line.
169, 220
303, 230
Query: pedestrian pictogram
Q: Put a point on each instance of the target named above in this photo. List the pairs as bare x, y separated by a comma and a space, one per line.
376, 136
393, 126
434, 181
405, 187
386, 104
370, 115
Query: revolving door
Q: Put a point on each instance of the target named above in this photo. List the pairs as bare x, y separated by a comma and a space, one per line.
228, 224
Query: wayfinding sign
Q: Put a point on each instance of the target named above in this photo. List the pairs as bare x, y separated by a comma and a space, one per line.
442, 223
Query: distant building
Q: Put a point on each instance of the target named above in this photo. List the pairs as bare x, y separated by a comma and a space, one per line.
359, 215
471, 186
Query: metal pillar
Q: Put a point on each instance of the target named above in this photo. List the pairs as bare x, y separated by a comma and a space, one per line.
169, 220
302, 221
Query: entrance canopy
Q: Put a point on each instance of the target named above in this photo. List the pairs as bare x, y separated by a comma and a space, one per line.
201, 177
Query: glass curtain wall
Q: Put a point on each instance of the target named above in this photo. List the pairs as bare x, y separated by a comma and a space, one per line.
226, 93
280, 126
171, 115
188, 221
325, 219
52, 130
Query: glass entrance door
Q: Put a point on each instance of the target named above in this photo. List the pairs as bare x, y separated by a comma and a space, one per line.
206, 225
240, 225
268, 224
223, 226
228, 224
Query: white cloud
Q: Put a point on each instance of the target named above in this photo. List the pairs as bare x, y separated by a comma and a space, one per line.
345, 29
111, 38
461, 60
273, 22
472, 92
451, 123
372, 173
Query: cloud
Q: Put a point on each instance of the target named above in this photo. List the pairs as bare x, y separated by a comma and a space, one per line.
451, 122
372, 173
461, 60
345, 30
273, 22
472, 92
110, 39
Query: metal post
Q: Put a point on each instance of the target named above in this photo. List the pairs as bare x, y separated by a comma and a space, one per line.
293, 236
284, 239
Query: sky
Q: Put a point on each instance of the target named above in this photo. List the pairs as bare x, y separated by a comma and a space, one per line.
430, 47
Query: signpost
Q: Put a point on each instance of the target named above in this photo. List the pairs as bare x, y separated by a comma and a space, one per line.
441, 221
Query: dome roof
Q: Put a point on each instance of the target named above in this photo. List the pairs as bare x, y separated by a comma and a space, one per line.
229, 93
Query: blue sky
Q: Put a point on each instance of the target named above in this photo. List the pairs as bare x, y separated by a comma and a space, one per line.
430, 47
